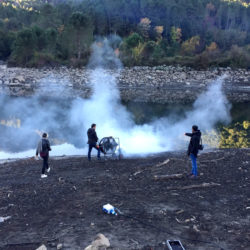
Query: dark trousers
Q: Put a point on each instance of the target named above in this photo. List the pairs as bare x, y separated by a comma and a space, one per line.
45, 163
93, 145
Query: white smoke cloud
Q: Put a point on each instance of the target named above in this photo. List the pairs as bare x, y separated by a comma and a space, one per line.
105, 109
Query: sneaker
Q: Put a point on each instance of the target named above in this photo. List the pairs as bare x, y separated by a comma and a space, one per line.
48, 170
44, 176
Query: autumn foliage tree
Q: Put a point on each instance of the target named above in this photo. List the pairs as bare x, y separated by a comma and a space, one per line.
144, 27
62, 31
190, 46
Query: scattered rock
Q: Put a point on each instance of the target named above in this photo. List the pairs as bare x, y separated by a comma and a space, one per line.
59, 246
61, 180
196, 228
100, 242
161, 84
20, 79
42, 247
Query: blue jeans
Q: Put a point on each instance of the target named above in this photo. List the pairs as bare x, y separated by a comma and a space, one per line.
194, 165
92, 145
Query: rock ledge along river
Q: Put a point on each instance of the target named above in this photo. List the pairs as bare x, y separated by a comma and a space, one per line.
161, 84
211, 212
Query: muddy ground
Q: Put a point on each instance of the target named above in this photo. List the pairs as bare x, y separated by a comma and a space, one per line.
67, 206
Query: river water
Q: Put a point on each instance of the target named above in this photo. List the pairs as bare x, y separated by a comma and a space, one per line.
21, 123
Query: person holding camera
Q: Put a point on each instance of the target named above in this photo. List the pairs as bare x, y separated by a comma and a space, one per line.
193, 148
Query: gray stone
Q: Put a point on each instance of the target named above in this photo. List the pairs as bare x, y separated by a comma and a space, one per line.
183, 76
100, 242
42, 247
20, 79
160, 84
59, 246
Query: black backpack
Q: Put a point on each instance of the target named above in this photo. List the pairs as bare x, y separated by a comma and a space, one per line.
44, 146
201, 147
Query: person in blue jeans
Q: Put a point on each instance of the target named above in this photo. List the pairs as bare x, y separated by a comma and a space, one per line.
193, 148
92, 141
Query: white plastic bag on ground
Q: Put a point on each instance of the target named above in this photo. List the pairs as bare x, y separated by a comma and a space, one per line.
109, 209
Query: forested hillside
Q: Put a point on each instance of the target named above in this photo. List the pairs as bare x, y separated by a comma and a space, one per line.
196, 33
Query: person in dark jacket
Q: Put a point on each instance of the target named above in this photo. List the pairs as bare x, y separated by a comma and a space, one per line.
92, 141
193, 148
43, 149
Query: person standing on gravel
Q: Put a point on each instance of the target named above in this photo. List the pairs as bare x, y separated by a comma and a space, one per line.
43, 149
92, 141
193, 148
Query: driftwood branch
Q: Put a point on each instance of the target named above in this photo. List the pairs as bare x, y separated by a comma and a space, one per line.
168, 177
138, 172
155, 166
162, 163
203, 185
213, 160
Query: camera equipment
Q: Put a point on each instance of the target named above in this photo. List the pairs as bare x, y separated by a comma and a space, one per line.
110, 146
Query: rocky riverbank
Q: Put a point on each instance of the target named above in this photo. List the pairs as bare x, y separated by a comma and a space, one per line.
161, 84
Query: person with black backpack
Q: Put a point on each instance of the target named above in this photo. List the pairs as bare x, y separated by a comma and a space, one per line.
193, 148
43, 149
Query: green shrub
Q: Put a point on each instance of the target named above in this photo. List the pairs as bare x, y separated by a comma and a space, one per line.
41, 59
133, 40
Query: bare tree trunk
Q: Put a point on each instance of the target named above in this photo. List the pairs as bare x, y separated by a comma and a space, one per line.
78, 46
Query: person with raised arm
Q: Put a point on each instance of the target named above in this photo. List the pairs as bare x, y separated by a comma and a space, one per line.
193, 149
